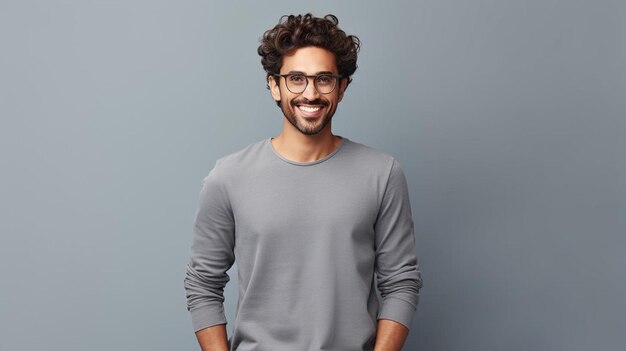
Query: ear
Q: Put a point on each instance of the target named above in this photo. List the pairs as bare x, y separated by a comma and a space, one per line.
274, 87
343, 85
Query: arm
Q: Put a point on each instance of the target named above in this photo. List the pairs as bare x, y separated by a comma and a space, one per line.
390, 335
212, 254
397, 271
213, 338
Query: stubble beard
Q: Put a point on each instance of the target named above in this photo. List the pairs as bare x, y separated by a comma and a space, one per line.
299, 123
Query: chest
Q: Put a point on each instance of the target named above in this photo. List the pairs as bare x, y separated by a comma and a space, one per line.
304, 206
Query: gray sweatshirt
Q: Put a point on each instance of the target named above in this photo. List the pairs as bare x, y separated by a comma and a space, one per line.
309, 240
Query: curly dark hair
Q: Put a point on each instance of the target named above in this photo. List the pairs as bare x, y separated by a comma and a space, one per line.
293, 32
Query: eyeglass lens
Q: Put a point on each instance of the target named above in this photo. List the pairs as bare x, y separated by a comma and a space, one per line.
324, 83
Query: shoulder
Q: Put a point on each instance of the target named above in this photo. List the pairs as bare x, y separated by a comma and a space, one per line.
242, 157
366, 156
235, 163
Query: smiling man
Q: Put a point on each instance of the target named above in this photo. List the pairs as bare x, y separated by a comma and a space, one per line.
316, 105
316, 222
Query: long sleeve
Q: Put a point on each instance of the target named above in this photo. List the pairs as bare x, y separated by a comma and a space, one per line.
397, 271
211, 254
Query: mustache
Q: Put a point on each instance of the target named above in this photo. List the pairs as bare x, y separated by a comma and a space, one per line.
305, 101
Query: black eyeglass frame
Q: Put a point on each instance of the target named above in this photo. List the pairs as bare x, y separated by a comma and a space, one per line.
314, 76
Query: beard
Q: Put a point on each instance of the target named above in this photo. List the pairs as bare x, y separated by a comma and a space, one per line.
307, 128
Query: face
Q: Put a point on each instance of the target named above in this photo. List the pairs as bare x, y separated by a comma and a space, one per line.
309, 112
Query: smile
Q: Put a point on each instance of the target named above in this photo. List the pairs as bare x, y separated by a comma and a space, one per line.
309, 109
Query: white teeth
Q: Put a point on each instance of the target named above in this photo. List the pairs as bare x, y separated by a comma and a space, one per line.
309, 109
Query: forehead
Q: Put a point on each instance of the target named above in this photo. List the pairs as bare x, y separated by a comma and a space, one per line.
310, 60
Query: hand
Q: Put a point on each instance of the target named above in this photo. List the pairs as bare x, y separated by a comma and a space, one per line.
390, 335
213, 338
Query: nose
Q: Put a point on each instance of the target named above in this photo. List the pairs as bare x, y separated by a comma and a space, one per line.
310, 93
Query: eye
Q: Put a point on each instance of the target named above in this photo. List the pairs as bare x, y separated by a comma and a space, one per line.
297, 79
324, 79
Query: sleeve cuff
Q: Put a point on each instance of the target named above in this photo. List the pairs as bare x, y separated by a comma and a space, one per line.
398, 311
207, 316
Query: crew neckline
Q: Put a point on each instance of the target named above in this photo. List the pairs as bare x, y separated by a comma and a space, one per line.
312, 163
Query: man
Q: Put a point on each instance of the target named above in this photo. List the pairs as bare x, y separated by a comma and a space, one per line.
310, 217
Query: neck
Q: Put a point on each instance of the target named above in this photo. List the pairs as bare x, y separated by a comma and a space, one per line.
295, 146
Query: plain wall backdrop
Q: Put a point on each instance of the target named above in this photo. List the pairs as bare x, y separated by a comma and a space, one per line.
508, 118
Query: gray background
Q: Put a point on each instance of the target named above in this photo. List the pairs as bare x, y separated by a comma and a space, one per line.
507, 116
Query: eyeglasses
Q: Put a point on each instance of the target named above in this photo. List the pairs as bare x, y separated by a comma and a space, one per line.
297, 82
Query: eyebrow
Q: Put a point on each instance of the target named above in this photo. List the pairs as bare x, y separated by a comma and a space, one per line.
318, 73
